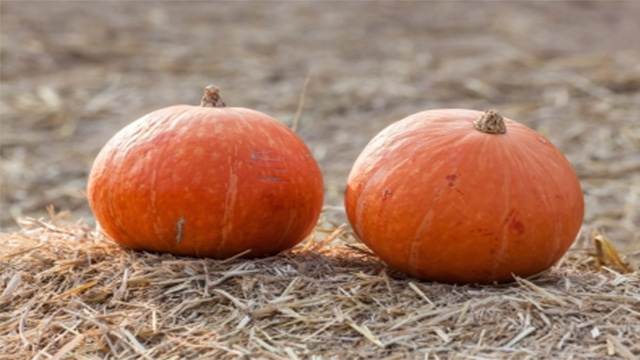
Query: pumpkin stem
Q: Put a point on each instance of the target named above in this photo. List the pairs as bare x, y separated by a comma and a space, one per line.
211, 97
491, 122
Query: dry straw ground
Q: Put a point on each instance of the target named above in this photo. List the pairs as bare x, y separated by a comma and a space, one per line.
74, 72
69, 293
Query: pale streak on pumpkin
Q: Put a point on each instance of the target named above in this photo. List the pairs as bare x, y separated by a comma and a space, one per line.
416, 240
180, 229
229, 204
498, 152
157, 227
232, 193
115, 216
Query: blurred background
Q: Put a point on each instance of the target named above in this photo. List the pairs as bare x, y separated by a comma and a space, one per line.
73, 73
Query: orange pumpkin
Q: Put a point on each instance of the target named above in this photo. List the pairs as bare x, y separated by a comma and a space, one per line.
208, 181
461, 196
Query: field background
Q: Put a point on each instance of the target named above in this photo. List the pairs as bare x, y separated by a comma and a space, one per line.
73, 73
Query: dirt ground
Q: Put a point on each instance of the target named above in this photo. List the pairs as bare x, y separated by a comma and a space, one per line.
73, 73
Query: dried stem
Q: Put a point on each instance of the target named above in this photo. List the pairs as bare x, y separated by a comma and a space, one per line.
211, 97
491, 122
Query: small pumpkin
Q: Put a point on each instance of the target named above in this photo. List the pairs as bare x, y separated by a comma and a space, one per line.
462, 196
206, 181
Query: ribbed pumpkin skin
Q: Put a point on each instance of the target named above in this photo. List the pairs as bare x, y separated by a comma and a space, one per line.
439, 200
207, 182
